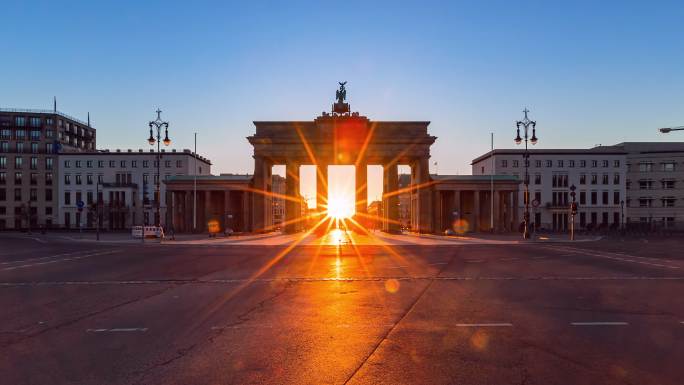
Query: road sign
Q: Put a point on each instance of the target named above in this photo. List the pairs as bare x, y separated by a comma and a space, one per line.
535, 203
80, 204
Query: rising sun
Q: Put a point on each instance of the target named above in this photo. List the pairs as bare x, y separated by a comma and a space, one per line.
340, 208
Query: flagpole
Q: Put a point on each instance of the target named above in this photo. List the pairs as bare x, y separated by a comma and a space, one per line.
491, 186
194, 189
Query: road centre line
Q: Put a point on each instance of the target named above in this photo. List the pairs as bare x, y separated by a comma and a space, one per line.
60, 260
475, 325
43, 258
618, 257
609, 323
116, 330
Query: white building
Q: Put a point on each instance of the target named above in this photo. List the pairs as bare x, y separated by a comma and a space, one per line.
655, 183
599, 175
126, 184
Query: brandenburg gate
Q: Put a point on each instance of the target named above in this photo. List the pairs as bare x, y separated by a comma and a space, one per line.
342, 137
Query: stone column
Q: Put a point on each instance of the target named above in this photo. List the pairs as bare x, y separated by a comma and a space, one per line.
516, 220
362, 188
227, 210
261, 208
457, 205
424, 206
495, 214
207, 209
321, 187
390, 198
292, 206
439, 212
476, 210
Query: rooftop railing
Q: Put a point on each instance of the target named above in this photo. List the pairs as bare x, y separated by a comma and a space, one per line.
39, 111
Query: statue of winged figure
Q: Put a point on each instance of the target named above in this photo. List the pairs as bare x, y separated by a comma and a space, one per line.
341, 94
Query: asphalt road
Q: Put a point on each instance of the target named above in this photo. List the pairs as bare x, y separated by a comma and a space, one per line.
608, 312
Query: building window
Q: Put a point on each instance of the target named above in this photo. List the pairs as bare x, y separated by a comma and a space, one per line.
112, 163
616, 197
48, 163
34, 163
67, 178
583, 197
19, 121
67, 197
549, 163
583, 179
605, 179
594, 179
571, 163
594, 163
49, 148
668, 201
20, 134
616, 178
583, 163
33, 178
604, 163
33, 195
3, 177
155, 163
668, 184
49, 133
67, 163
18, 162
78, 178
604, 197
667, 166
35, 122
17, 195
645, 167
6, 133
644, 202
167, 163
89, 197
134, 163
3, 194
100, 178
146, 163
89, 179
560, 163
179, 163
4, 146
48, 197
18, 178
645, 184
594, 198
100, 163
3, 162
34, 148
616, 163
515, 163
48, 179
537, 178
89, 163
146, 178
77, 164
123, 164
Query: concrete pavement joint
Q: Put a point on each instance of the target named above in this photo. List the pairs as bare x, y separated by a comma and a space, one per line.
116, 330
60, 260
334, 279
607, 323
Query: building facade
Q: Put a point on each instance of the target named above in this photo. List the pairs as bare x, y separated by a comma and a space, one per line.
598, 174
655, 183
124, 182
30, 141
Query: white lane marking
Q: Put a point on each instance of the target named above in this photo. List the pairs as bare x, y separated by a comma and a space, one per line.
269, 326
437, 263
490, 324
44, 258
116, 330
609, 323
616, 256
59, 260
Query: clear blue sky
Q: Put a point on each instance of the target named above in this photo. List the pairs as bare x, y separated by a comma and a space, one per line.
590, 72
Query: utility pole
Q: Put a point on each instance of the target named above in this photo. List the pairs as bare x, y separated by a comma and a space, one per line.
491, 187
194, 188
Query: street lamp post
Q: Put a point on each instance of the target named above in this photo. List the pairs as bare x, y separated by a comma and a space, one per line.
158, 124
622, 215
573, 212
526, 123
667, 130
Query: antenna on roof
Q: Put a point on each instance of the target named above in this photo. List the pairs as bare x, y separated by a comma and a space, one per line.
88, 118
54, 103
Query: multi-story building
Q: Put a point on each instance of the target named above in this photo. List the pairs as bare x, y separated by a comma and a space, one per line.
30, 141
655, 183
598, 174
123, 181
